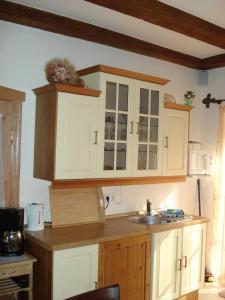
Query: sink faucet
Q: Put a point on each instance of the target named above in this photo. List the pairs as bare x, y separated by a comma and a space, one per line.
149, 211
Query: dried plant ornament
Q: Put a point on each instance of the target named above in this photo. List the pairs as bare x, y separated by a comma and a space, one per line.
60, 70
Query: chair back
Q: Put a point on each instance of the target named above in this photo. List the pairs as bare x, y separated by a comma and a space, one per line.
106, 293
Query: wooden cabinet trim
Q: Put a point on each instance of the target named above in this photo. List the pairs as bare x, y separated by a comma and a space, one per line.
123, 73
57, 87
178, 106
7, 94
59, 184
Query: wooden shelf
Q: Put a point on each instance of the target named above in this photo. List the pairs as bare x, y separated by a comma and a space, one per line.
7, 94
177, 106
60, 184
123, 73
8, 286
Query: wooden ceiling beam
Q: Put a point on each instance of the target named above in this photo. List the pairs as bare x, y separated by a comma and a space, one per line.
166, 16
213, 62
36, 18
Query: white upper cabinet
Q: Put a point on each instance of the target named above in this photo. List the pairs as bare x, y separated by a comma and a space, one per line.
76, 136
115, 119
175, 142
130, 133
147, 129
66, 132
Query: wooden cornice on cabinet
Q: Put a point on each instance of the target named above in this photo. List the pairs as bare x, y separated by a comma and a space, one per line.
79, 183
178, 106
8, 94
58, 87
169, 17
28, 16
123, 73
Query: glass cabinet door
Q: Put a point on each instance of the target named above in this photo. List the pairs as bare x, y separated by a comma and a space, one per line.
147, 130
116, 126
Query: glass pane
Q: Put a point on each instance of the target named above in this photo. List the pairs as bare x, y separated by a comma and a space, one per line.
110, 95
142, 157
154, 127
109, 156
143, 129
110, 126
155, 103
121, 156
144, 101
122, 127
123, 97
153, 149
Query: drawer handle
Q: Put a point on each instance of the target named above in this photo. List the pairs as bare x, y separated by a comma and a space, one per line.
96, 284
137, 132
131, 127
96, 137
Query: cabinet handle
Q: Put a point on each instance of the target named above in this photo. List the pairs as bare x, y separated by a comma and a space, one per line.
96, 137
165, 142
131, 127
185, 261
96, 284
137, 132
179, 264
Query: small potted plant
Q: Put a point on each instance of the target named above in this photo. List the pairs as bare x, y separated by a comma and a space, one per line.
189, 97
60, 70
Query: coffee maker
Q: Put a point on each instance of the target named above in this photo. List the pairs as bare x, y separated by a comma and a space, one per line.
11, 231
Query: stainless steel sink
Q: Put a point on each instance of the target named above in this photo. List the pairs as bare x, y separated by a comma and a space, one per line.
157, 219
144, 219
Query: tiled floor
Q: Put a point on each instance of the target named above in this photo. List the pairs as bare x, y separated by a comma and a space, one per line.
210, 292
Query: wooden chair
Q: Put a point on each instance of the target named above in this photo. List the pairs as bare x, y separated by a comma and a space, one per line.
106, 293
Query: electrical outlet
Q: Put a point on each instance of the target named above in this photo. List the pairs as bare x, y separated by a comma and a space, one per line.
108, 198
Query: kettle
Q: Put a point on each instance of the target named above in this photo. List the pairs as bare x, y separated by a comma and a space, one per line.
35, 216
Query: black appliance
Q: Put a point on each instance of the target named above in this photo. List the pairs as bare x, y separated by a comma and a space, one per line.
11, 231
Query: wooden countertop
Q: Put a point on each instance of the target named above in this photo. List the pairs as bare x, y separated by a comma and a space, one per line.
112, 229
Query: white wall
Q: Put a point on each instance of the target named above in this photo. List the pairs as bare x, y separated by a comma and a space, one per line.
23, 54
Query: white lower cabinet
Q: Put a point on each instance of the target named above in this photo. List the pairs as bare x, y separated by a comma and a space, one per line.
177, 262
75, 271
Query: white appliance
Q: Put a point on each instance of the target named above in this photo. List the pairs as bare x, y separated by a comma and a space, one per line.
35, 216
200, 162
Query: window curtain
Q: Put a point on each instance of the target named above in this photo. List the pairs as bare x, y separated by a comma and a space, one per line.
2, 194
217, 253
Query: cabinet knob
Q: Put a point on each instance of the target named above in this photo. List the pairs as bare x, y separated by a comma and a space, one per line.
185, 261
96, 137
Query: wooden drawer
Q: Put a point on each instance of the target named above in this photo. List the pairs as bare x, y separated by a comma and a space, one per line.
15, 271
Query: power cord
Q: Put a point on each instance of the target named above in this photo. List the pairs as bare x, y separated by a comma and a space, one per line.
107, 202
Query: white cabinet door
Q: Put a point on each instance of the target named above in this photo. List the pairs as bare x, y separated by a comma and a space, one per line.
75, 271
147, 138
166, 250
193, 257
77, 136
175, 142
115, 126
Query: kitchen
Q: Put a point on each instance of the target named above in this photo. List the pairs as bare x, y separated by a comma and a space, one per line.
35, 47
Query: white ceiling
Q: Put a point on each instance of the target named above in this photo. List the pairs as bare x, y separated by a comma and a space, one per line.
212, 11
